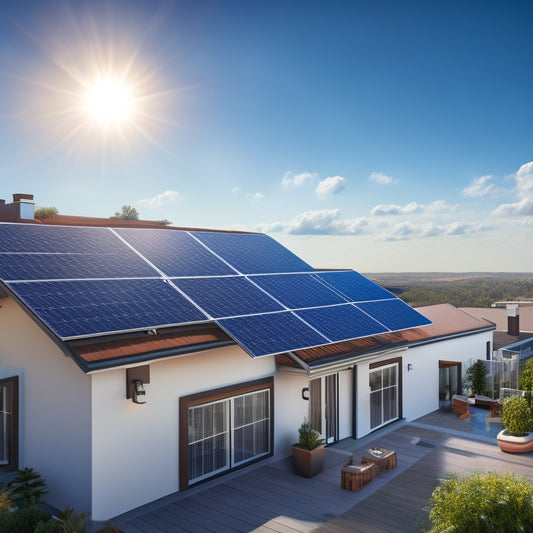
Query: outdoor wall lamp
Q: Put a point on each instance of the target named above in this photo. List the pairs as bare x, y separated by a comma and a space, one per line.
410, 367
139, 394
136, 378
305, 393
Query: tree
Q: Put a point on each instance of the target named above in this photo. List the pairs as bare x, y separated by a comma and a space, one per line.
475, 377
43, 213
127, 213
483, 502
526, 377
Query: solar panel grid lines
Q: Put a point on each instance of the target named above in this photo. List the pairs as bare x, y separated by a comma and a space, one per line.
271, 333
82, 308
175, 253
251, 253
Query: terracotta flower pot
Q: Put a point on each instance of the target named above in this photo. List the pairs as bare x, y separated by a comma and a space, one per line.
513, 443
308, 463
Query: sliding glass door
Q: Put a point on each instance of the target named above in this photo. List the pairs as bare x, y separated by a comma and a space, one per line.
383, 395
227, 433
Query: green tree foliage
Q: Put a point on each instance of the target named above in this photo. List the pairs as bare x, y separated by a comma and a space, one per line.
475, 377
489, 502
126, 213
42, 213
29, 486
474, 292
526, 376
23, 520
516, 416
163, 222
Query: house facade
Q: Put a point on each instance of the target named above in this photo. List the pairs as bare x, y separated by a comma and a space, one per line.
114, 421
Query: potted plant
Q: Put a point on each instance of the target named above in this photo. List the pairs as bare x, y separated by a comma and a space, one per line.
308, 453
518, 423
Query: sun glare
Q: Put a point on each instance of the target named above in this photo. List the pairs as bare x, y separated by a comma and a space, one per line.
109, 102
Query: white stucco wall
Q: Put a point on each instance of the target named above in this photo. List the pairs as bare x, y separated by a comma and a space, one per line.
135, 447
421, 385
54, 410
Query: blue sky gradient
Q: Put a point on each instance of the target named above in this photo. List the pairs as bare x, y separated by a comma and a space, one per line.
380, 136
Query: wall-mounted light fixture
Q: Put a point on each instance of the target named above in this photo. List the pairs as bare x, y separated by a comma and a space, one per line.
136, 378
410, 367
305, 393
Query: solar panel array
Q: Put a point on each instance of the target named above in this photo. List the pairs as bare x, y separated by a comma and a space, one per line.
84, 281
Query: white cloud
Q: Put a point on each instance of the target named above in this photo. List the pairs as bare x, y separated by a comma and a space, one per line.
382, 179
291, 181
407, 230
321, 222
164, 198
480, 187
522, 208
330, 186
438, 206
524, 180
255, 197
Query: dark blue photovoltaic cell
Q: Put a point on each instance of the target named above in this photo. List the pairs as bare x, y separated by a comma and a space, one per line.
357, 288
394, 314
341, 322
27, 266
90, 307
175, 252
227, 297
252, 253
37, 238
270, 334
298, 290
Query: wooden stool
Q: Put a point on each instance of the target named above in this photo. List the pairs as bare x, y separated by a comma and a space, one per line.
355, 477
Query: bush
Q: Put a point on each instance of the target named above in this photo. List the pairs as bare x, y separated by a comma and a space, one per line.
475, 377
24, 520
51, 526
42, 213
29, 485
489, 502
526, 376
516, 416
308, 438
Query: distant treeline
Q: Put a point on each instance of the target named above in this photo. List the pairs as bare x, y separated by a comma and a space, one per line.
480, 292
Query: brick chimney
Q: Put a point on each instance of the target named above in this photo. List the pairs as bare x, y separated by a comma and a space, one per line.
22, 208
513, 320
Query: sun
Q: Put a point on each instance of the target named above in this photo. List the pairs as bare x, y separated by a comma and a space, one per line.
109, 102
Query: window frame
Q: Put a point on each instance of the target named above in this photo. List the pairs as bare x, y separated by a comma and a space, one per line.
210, 396
12, 426
376, 366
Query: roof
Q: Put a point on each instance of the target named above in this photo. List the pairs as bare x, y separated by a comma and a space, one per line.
100, 292
447, 321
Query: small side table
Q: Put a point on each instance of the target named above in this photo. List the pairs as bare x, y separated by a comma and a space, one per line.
386, 461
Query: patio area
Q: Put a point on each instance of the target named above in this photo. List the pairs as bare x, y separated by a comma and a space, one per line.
271, 498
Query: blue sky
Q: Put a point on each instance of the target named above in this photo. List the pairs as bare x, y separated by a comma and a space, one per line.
379, 136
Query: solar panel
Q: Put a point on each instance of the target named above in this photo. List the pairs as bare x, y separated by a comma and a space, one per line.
298, 290
175, 253
226, 297
95, 307
252, 253
27, 266
341, 322
394, 314
33, 238
354, 286
271, 333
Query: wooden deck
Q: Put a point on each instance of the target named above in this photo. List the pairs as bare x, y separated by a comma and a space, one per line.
271, 498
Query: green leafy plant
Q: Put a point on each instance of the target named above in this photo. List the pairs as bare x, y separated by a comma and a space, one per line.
308, 438
68, 521
8, 494
29, 485
42, 213
475, 377
127, 212
526, 376
516, 416
23, 520
483, 502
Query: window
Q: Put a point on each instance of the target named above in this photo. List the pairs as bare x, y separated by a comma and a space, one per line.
224, 429
9, 423
383, 395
